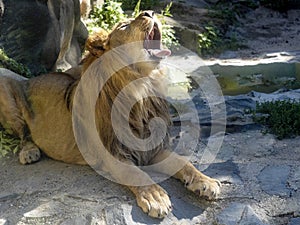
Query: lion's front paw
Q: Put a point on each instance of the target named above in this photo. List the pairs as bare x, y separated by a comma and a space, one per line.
154, 200
30, 153
203, 186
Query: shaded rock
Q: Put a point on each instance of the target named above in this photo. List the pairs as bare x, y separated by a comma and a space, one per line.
228, 55
239, 107
5, 197
7, 73
273, 180
294, 221
188, 37
114, 215
75, 221
250, 217
238, 213
295, 179
43, 35
183, 213
194, 3
241, 102
185, 210
282, 94
227, 171
271, 33
49, 209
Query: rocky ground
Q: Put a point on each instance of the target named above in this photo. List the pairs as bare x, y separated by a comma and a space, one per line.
260, 175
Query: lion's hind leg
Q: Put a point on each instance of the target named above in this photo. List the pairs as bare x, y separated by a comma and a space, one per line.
13, 106
11, 117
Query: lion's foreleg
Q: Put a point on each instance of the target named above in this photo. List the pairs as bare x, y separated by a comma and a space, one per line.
152, 198
172, 164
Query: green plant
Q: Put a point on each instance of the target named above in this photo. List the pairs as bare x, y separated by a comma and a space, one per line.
137, 9
14, 66
111, 13
209, 40
107, 16
8, 143
215, 37
281, 117
168, 33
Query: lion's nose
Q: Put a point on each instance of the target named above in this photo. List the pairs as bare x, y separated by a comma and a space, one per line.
148, 13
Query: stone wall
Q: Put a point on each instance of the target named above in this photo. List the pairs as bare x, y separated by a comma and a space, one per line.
42, 34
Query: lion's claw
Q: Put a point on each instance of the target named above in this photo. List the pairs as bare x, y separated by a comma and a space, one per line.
154, 201
205, 186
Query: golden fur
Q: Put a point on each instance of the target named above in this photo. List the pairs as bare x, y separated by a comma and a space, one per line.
39, 112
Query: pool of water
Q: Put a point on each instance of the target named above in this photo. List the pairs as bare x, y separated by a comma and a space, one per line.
262, 77
236, 76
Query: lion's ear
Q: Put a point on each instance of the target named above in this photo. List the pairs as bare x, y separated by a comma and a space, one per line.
96, 42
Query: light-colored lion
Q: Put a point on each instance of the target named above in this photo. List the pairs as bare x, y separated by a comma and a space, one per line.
38, 110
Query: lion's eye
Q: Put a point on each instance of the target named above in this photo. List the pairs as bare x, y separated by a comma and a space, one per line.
123, 27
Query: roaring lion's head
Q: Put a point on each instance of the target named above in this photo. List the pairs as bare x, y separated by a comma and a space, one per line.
142, 36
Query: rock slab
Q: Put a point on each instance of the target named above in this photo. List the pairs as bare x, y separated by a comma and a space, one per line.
43, 35
273, 180
238, 213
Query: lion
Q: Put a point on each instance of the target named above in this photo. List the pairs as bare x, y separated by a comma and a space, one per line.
39, 112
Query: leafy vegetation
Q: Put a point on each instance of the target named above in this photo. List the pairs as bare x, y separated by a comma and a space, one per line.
112, 13
212, 41
281, 117
107, 16
8, 143
168, 33
14, 66
214, 38
209, 40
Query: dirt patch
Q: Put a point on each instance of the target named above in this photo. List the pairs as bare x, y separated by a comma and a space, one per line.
246, 31
264, 30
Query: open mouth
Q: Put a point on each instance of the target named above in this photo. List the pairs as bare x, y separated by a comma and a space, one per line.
153, 45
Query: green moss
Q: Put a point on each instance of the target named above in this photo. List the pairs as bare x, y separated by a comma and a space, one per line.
8, 63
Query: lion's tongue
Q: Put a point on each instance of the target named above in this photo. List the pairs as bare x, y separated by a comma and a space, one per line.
160, 53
